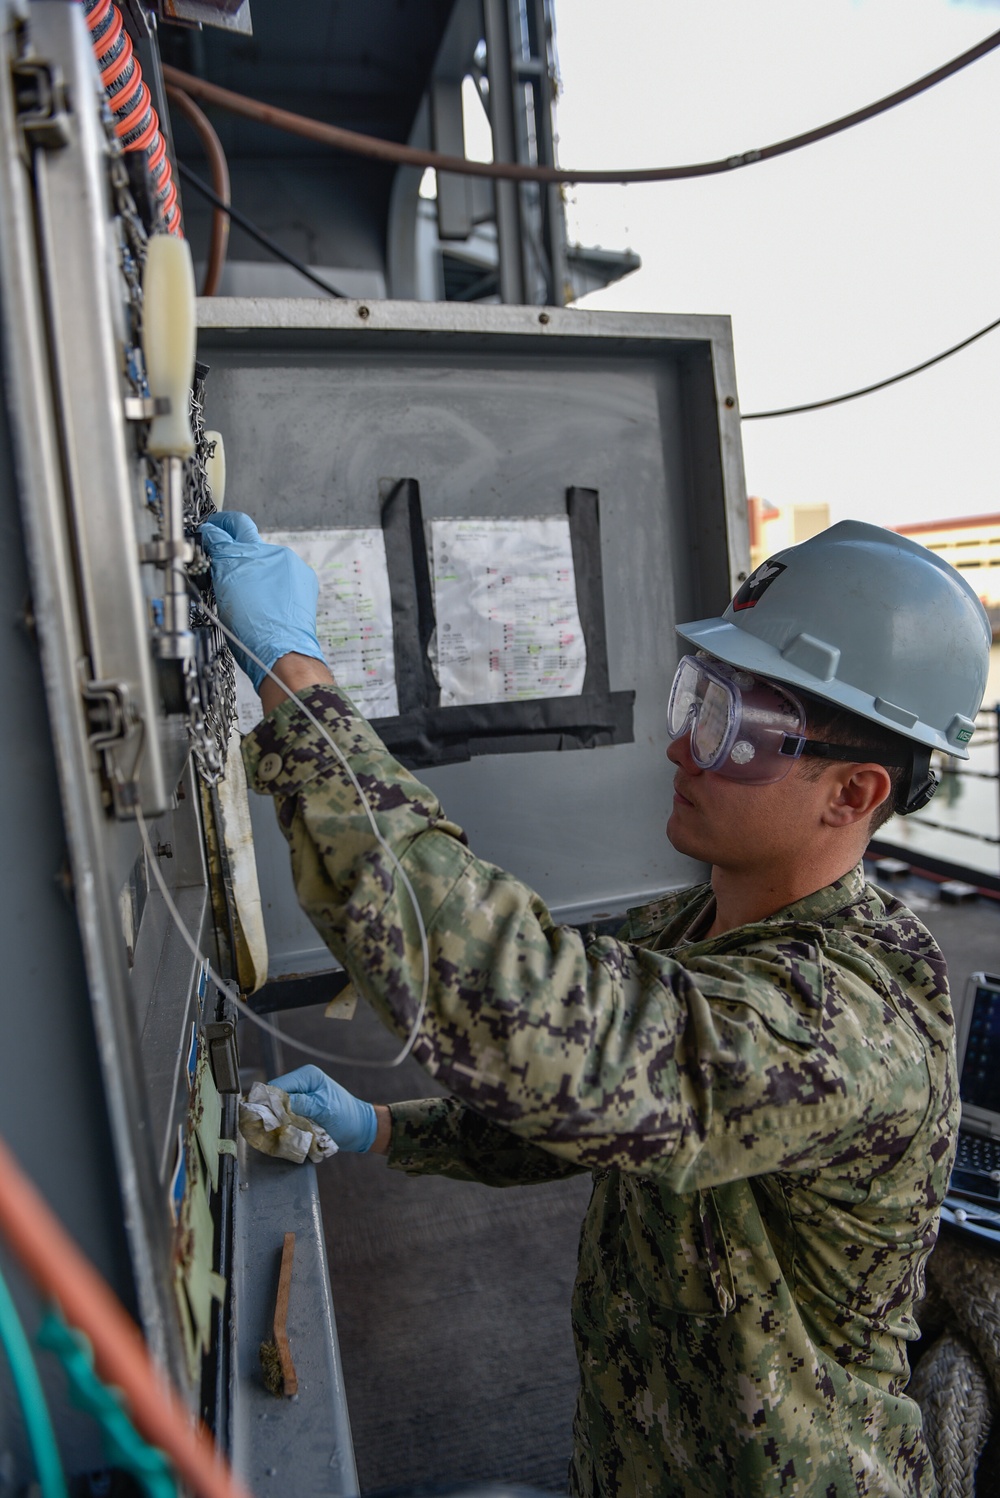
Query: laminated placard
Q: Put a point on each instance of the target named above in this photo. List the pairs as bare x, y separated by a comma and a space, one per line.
505, 604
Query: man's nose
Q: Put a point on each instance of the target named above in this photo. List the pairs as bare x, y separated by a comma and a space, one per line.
679, 754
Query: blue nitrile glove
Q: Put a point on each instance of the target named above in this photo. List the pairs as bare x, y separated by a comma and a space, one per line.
266, 594
350, 1123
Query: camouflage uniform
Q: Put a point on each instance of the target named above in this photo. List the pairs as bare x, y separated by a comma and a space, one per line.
768, 1116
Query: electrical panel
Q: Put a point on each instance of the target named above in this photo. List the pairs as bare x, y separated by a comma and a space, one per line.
128, 874
552, 492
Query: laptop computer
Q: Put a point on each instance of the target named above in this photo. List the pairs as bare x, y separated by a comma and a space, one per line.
973, 1200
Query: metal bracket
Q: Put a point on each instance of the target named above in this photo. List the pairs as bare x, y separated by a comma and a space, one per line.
230, 15
42, 104
161, 552
145, 407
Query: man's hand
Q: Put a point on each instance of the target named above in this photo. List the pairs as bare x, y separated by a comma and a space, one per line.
266, 595
351, 1123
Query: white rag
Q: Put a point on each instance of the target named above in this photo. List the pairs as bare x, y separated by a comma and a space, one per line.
267, 1123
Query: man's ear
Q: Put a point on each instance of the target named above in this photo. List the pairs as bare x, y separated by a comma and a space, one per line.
855, 792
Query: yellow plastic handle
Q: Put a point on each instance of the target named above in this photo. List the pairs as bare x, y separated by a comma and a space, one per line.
168, 341
215, 469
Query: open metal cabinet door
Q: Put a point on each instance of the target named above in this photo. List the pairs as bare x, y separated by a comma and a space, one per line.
387, 432
122, 840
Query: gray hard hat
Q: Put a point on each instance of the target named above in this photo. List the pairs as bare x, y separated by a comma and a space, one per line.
868, 620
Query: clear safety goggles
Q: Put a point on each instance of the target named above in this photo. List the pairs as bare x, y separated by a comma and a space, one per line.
741, 726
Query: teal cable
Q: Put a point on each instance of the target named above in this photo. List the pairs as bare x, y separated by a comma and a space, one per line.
29, 1391
123, 1445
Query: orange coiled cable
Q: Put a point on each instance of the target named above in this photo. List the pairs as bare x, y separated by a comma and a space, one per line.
137, 125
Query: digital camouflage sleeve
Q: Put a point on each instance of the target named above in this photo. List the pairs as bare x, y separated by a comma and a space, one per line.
769, 1117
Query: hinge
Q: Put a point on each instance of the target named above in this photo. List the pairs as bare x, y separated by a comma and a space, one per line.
42, 103
112, 722
110, 713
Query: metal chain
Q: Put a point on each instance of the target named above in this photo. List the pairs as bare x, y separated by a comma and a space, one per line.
212, 717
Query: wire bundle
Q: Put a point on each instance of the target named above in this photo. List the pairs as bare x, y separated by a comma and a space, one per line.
137, 124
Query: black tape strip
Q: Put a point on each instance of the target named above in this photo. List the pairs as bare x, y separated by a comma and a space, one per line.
410, 589
585, 538
447, 734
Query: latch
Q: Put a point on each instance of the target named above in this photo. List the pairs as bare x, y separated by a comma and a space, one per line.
42, 103
223, 1057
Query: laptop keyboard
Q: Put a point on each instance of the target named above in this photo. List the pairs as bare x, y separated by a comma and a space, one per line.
976, 1173
977, 1153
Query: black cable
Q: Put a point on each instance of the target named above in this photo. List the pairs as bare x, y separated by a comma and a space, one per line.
857, 117
391, 151
249, 227
853, 395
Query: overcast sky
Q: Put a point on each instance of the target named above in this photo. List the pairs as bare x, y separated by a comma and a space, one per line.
839, 264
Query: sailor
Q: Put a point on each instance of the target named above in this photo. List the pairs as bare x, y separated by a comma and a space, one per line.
758, 1072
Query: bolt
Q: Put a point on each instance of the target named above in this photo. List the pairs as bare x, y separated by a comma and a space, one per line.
730, 401
543, 317
64, 880
164, 850
364, 312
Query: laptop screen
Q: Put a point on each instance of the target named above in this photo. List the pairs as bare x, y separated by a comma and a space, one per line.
980, 1053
